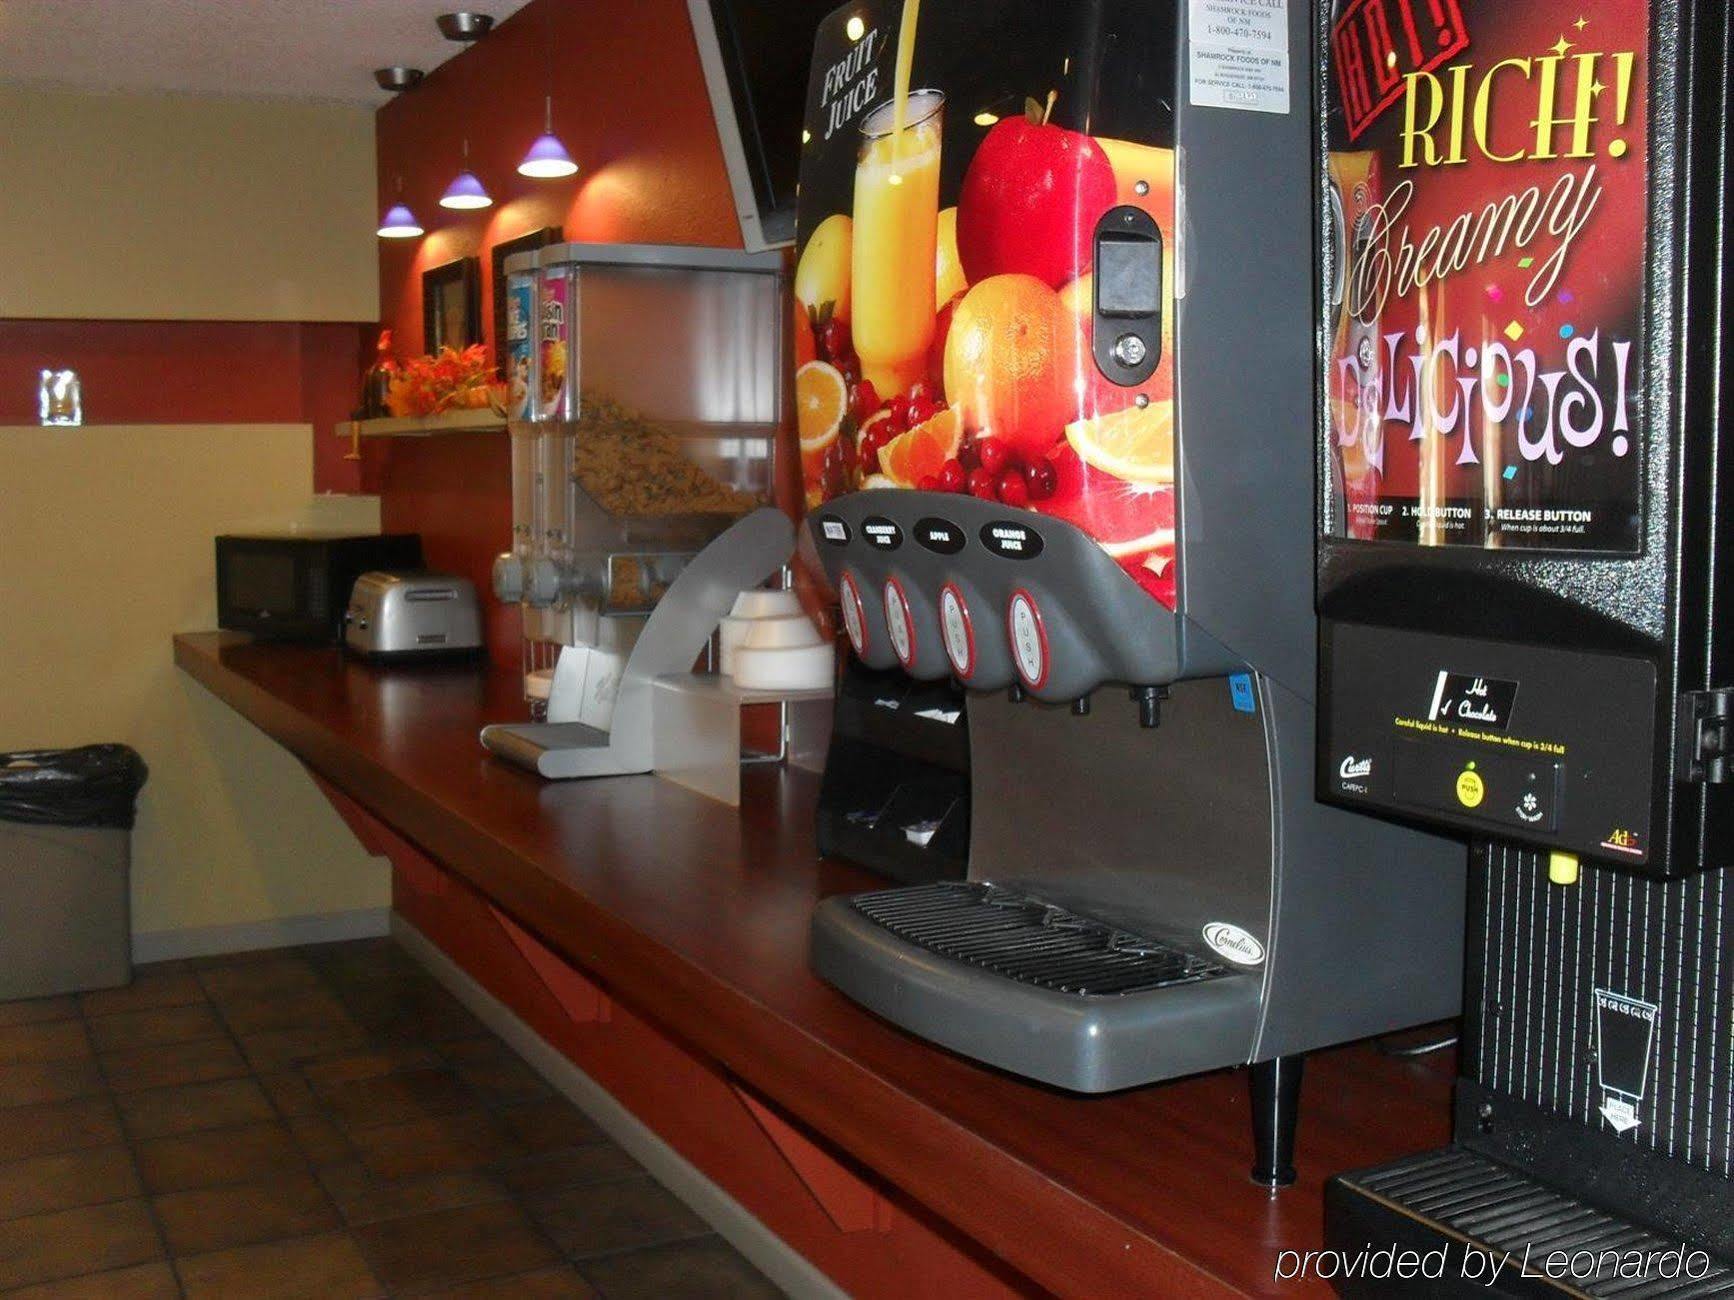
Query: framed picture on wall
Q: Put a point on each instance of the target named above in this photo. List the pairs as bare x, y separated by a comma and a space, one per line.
451, 297
497, 266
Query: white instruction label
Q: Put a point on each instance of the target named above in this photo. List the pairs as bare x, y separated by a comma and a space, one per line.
1239, 54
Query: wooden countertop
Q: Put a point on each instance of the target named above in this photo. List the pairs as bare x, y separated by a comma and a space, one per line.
697, 914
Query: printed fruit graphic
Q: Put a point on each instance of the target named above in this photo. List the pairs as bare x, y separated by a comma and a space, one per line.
1011, 363
948, 279
823, 273
1030, 202
1125, 519
806, 349
1136, 444
936, 349
1155, 573
880, 419
1133, 523
923, 451
1079, 296
821, 401
1142, 162
879, 429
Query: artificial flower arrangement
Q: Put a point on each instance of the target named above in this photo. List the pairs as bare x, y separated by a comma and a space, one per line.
447, 381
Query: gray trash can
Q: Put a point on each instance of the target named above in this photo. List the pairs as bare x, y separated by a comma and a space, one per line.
65, 863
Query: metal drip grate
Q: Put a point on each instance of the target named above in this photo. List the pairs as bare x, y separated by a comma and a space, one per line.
1027, 940
1499, 1209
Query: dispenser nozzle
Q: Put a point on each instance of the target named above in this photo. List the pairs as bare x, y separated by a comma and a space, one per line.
1149, 700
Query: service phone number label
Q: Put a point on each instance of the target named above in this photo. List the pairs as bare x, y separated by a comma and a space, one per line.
1239, 54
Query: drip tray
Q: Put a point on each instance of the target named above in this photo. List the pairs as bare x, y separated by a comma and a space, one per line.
1034, 988
1027, 940
1465, 1203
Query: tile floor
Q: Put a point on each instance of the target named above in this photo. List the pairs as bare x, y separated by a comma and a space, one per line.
317, 1122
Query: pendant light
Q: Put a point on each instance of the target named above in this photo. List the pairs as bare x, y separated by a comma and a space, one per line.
399, 222
547, 158
466, 190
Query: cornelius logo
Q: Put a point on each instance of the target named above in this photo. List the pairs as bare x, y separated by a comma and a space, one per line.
1231, 943
1378, 43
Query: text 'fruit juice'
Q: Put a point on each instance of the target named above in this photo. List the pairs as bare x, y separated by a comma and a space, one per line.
896, 228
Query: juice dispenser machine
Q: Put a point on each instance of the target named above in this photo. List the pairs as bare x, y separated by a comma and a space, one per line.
1056, 267
646, 387
1522, 529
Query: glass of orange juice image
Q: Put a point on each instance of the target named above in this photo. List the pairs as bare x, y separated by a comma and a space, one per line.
896, 230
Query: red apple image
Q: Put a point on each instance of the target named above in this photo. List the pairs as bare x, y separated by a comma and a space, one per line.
1030, 202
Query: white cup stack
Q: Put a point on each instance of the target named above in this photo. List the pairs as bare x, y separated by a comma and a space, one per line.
768, 644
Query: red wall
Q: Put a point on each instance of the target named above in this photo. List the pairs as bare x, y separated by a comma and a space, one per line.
630, 105
196, 372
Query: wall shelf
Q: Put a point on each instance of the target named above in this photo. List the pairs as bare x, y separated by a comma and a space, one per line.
423, 426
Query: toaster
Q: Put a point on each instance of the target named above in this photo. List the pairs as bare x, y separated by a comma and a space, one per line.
406, 615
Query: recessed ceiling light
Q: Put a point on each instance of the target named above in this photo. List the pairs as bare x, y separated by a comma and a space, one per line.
397, 78
464, 25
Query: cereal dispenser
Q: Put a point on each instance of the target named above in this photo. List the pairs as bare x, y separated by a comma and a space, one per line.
648, 391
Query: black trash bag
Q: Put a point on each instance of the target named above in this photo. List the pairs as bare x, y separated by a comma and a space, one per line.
94, 785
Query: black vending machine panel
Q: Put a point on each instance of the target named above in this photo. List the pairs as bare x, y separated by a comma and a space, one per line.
1524, 392
1522, 381
1497, 738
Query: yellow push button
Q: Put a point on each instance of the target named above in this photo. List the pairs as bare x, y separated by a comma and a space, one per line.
1471, 789
1562, 868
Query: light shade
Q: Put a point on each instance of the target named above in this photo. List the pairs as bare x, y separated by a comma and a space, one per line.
547, 159
399, 223
465, 191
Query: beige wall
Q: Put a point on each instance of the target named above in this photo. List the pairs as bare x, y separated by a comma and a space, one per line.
105, 552
165, 207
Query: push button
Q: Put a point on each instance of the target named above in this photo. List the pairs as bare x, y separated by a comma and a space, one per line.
1029, 639
1519, 792
1471, 789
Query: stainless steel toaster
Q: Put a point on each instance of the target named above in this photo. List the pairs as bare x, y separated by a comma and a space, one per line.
402, 615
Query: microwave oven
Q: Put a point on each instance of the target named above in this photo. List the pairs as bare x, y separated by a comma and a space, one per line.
295, 586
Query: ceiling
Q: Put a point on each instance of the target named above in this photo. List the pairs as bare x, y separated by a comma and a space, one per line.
294, 49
